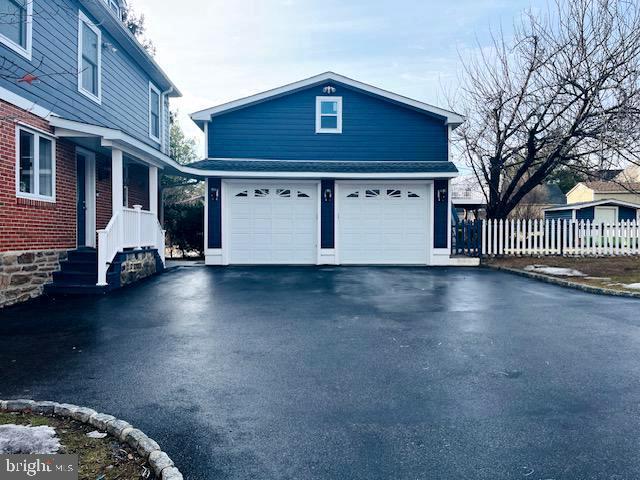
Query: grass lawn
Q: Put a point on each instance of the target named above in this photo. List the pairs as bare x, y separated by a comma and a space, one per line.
607, 272
99, 458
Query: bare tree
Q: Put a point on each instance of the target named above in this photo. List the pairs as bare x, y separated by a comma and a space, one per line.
564, 92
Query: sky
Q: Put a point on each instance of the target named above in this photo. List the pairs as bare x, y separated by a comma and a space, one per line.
220, 50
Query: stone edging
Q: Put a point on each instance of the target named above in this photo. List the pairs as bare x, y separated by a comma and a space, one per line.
566, 283
160, 462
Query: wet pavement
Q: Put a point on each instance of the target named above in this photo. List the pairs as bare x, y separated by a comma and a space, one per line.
347, 373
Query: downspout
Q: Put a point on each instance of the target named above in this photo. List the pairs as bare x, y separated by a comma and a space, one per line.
160, 174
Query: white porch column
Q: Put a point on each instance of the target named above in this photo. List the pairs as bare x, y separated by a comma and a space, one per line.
153, 190
117, 182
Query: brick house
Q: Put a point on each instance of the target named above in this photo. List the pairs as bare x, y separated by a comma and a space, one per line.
84, 135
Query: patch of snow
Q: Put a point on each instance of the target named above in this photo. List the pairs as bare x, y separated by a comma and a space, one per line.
633, 286
96, 434
26, 440
557, 271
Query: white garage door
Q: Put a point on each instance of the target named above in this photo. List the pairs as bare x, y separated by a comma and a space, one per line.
383, 223
270, 223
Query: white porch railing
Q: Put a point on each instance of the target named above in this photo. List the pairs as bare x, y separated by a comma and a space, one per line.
129, 228
559, 237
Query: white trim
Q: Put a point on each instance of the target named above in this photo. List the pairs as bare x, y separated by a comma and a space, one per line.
319, 114
83, 19
315, 175
205, 115
206, 140
23, 103
89, 194
319, 225
114, 138
153, 88
36, 165
26, 51
36, 129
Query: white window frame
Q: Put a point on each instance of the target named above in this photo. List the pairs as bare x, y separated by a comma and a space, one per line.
319, 115
114, 3
16, 47
153, 88
36, 165
83, 19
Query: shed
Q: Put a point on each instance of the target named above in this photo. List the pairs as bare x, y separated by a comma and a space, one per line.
605, 211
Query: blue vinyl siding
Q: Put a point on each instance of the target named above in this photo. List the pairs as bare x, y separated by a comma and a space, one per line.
372, 129
559, 215
441, 215
585, 213
125, 86
626, 213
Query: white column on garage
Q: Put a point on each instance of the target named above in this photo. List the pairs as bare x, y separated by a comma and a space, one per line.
153, 190
117, 182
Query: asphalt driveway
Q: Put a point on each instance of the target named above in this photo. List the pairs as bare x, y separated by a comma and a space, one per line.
348, 373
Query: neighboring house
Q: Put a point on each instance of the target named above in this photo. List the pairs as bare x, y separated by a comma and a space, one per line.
327, 170
605, 190
467, 198
84, 132
600, 211
470, 203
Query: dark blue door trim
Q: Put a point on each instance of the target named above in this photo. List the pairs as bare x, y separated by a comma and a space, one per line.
327, 213
214, 213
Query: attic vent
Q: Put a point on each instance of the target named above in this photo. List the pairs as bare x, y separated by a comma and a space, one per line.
329, 90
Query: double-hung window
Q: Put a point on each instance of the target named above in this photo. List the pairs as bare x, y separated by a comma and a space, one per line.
328, 114
35, 165
16, 24
89, 59
155, 112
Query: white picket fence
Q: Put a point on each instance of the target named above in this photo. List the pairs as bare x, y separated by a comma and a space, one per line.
559, 237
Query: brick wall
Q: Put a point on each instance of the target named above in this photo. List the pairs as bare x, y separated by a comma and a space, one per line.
30, 224
138, 183
103, 191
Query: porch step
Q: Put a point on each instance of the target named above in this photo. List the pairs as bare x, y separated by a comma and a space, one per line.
79, 275
55, 290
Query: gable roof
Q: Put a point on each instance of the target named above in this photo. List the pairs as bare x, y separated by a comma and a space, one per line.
545, 194
451, 118
613, 187
580, 205
114, 26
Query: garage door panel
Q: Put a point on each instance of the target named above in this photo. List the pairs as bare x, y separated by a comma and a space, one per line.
273, 223
384, 223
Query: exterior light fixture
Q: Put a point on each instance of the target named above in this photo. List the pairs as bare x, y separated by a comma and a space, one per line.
442, 194
328, 195
329, 90
214, 194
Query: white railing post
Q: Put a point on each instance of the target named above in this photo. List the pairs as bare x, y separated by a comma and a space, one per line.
102, 258
138, 209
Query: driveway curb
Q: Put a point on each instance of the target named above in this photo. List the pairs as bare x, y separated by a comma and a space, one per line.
148, 448
566, 283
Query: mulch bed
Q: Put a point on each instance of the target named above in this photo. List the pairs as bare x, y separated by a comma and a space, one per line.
603, 272
99, 458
